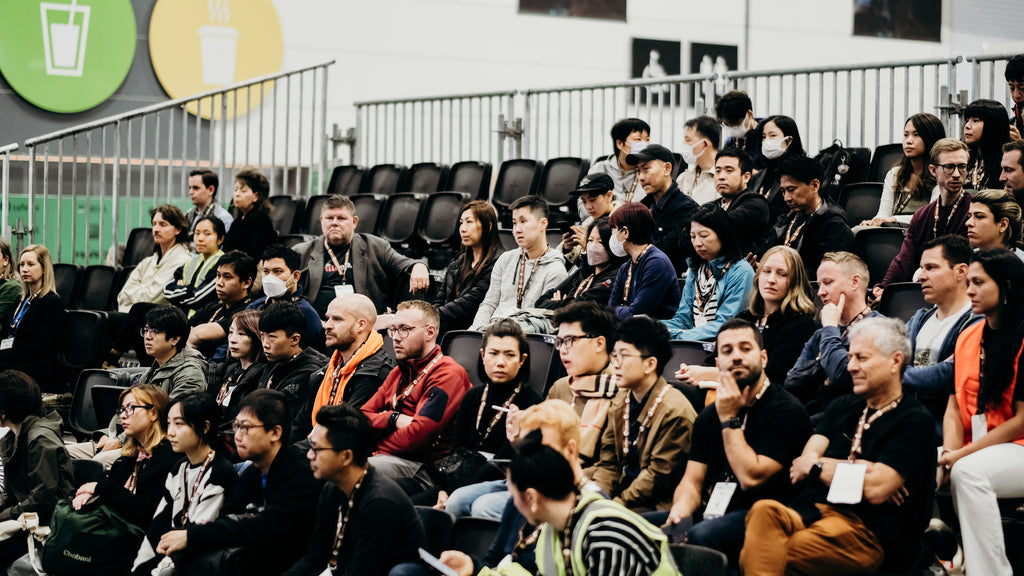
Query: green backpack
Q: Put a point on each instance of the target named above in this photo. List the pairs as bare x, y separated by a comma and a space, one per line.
93, 540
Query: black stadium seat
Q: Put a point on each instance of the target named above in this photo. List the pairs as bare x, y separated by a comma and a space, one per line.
425, 178
311, 215
473, 536
472, 178
516, 178
399, 218
901, 300
560, 177
83, 343
878, 247
67, 278
290, 240
384, 179
508, 240
345, 180
693, 559
368, 209
885, 157
438, 526
439, 225
860, 201
694, 353
542, 362
464, 347
96, 291
138, 246
285, 212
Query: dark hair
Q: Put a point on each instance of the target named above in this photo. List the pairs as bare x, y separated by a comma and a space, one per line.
506, 328
740, 324
955, 248
490, 245
290, 257
258, 183
746, 164
594, 319
542, 468
209, 179
707, 127
1002, 204
173, 215
637, 218
1001, 346
19, 396
535, 204
285, 316
604, 231
271, 408
339, 202
931, 130
712, 216
649, 336
623, 128
197, 410
218, 225
242, 263
248, 321
733, 106
171, 321
802, 168
994, 134
1015, 146
1015, 69
348, 429
789, 128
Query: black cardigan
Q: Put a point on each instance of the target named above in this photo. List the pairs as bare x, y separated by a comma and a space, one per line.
251, 234
456, 312
36, 340
140, 506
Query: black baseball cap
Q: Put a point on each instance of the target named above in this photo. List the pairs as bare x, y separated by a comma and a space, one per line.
651, 152
595, 184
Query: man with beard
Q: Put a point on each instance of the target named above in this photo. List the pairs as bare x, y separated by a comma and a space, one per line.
358, 365
742, 445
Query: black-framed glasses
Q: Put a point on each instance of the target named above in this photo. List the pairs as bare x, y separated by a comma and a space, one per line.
146, 331
243, 429
948, 169
129, 409
569, 341
401, 331
618, 357
317, 451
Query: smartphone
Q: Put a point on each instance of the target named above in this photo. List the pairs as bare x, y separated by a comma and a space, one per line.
436, 564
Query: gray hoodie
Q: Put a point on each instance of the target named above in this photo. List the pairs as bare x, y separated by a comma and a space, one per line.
184, 372
542, 274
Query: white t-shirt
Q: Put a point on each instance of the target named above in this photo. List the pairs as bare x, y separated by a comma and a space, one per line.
931, 336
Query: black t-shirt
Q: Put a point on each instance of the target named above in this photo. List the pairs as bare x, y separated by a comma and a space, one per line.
222, 315
902, 439
777, 427
332, 278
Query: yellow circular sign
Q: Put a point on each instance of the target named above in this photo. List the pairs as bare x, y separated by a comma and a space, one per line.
200, 45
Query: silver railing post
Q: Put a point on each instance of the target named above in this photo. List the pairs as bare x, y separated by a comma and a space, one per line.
5, 183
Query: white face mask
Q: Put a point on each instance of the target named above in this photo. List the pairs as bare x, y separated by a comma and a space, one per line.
596, 254
273, 286
733, 131
686, 151
772, 149
617, 248
637, 147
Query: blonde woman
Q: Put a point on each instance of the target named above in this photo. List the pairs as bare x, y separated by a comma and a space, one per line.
28, 341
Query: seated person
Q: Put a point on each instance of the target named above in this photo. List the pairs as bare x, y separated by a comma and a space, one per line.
812, 226
10, 284
359, 362
171, 251
646, 284
202, 190
986, 129
779, 139
1014, 75
413, 412
357, 537
700, 146
745, 440
252, 230
1011, 176
469, 275
877, 520
482, 416
245, 366
194, 282
994, 221
983, 444
747, 210
643, 448
736, 113
909, 185
597, 197
28, 341
37, 468
718, 278
520, 276
946, 215
289, 365
628, 134
198, 488
782, 308
281, 273
272, 534
235, 273
586, 334
670, 208
819, 375
591, 279
342, 262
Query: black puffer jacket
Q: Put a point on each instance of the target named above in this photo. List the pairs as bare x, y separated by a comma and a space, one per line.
292, 376
457, 312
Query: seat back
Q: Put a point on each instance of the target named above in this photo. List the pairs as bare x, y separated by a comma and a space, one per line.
83, 343
464, 347
425, 178
345, 180
139, 245
878, 247
105, 400
311, 215
474, 536
885, 157
901, 300
441, 213
285, 212
471, 177
542, 359
679, 166
438, 526
508, 239
383, 179
693, 559
85, 471
400, 216
67, 278
560, 177
516, 178
83, 420
96, 290
860, 201
290, 240
692, 353
368, 210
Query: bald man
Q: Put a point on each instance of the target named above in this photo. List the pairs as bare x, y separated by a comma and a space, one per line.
358, 365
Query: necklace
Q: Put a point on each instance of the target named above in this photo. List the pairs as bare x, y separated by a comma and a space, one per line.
792, 235
182, 518
865, 424
952, 211
339, 535
643, 424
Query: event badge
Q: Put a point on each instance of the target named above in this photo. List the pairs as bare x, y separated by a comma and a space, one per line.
979, 423
343, 290
718, 503
7, 343
326, 572
847, 483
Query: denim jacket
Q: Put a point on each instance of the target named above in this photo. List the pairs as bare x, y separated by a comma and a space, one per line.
732, 290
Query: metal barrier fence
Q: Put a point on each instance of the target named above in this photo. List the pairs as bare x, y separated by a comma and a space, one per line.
102, 177
863, 105
5, 188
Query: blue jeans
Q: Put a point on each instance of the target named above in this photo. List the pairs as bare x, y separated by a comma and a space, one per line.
724, 533
483, 500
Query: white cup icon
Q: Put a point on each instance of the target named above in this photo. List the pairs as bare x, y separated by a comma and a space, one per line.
218, 45
65, 33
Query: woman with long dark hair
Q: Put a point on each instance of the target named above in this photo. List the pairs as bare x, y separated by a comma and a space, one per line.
909, 185
593, 277
983, 428
986, 129
469, 275
780, 139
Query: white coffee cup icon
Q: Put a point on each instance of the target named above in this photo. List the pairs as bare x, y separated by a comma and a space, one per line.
219, 45
65, 33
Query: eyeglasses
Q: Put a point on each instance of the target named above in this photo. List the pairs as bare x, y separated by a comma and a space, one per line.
317, 451
129, 409
618, 357
567, 342
243, 429
149, 331
401, 331
948, 169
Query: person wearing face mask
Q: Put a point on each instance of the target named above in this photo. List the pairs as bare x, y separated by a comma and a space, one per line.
646, 283
597, 197
281, 273
699, 150
628, 135
736, 113
780, 139
591, 280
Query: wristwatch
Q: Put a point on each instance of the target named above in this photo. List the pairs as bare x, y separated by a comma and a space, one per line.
815, 471
733, 423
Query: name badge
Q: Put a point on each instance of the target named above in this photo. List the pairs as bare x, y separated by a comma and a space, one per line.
506, 561
343, 290
847, 483
718, 503
979, 426
326, 572
7, 343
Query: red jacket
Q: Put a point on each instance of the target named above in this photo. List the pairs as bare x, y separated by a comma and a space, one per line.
432, 403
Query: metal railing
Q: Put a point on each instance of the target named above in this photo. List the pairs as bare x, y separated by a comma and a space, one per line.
5, 188
987, 79
112, 170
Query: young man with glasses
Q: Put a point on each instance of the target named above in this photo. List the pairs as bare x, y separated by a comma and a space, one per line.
946, 215
272, 536
643, 448
413, 411
365, 524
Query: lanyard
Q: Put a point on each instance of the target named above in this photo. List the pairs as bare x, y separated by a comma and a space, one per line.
522, 286
952, 212
342, 270
643, 425
396, 400
189, 498
865, 424
339, 535
629, 275
628, 197
20, 314
498, 414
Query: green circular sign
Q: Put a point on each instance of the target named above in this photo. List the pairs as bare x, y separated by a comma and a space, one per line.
66, 56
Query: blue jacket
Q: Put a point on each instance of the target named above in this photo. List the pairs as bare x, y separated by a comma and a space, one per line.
654, 290
733, 287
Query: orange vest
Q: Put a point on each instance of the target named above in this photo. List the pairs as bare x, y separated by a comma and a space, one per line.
967, 368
